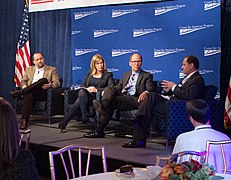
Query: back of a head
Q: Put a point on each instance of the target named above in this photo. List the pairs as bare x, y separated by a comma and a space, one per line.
9, 137
199, 110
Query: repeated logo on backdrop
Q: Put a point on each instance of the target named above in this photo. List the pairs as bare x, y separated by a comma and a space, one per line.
165, 9
208, 5
163, 33
122, 12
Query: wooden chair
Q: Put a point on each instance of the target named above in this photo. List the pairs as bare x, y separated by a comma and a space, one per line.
191, 155
25, 136
66, 153
222, 153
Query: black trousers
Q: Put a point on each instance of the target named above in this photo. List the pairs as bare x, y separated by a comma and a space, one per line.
112, 100
32, 93
152, 109
80, 106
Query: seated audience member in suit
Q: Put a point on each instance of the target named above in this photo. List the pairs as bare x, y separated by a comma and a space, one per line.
35, 82
15, 163
128, 94
190, 87
199, 113
95, 81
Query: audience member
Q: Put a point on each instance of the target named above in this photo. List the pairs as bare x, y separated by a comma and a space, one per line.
128, 94
154, 105
15, 163
95, 81
36, 80
199, 113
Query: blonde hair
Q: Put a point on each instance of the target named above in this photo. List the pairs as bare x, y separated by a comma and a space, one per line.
96, 58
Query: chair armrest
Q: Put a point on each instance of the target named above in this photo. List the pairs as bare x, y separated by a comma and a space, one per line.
55, 100
70, 96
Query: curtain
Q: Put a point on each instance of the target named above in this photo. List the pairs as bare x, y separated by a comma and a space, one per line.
11, 21
51, 34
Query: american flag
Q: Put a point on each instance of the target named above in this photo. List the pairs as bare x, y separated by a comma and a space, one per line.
227, 114
23, 49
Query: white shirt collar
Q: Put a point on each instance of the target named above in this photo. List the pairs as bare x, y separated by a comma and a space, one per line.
204, 126
191, 74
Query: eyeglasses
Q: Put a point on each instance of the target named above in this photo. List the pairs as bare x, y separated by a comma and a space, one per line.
135, 61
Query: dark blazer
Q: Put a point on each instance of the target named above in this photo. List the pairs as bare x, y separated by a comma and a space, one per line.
144, 82
193, 88
106, 80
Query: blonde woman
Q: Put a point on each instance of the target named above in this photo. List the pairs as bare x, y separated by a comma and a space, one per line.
95, 81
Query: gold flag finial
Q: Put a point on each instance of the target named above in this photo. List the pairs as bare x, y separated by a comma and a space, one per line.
27, 2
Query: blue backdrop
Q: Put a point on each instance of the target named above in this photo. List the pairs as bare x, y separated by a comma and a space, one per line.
163, 33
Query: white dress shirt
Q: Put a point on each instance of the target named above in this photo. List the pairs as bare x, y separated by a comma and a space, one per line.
196, 141
38, 74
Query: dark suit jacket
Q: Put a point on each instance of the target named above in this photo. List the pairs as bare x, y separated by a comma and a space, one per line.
144, 82
106, 80
193, 88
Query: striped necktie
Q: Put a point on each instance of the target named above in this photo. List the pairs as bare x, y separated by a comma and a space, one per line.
129, 85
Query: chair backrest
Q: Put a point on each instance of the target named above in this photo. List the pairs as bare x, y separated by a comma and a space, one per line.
65, 154
61, 82
173, 157
25, 136
220, 158
210, 92
157, 86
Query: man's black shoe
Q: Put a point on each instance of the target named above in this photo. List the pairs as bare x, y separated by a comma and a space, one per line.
62, 125
134, 144
95, 134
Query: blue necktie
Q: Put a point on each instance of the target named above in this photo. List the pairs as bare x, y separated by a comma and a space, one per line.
129, 85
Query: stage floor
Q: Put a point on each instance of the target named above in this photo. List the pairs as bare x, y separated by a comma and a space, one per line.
45, 135
49, 135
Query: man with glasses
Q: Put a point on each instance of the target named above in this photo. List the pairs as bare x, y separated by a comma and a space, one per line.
128, 94
192, 86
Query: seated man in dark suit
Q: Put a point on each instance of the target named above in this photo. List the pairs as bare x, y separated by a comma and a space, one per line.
128, 94
190, 87
35, 82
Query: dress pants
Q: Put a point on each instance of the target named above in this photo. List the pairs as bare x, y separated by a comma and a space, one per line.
31, 94
152, 108
112, 100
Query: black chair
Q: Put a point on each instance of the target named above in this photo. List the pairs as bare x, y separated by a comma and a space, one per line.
125, 116
70, 97
52, 106
176, 120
